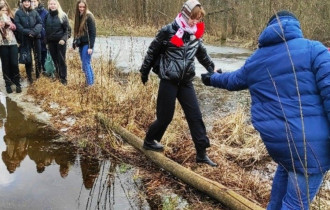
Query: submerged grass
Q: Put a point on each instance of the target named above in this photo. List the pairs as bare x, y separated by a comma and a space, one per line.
236, 147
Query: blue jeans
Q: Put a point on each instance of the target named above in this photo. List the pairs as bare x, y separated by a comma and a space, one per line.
86, 64
289, 190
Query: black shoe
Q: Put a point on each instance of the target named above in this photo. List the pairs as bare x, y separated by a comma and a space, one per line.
18, 89
8, 89
30, 80
153, 145
202, 157
64, 82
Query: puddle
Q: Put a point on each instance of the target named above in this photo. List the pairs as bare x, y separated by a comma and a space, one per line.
41, 171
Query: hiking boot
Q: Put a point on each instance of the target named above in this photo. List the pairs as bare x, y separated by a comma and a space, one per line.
153, 145
18, 89
8, 89
201, 157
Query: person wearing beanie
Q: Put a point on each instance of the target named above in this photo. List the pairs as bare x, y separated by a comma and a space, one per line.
171, 55
29, 27
39, 7
288, 77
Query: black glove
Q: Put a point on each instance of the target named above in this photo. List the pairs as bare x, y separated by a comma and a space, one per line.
219, 71
144, 78
206, 78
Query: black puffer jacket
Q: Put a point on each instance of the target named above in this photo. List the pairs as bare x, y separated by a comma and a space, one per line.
28, 22
175, 63
55, 29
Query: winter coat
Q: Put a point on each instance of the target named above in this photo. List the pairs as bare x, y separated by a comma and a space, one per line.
7, 36
88, 38
55, 29
27, 22
42, 13
175, 63
288, 121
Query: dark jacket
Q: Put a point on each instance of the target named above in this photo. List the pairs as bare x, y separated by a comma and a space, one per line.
90, 34
55, 29
175, 63
28, 22
288, 122
42, 13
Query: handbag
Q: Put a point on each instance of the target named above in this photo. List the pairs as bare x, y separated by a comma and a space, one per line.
25, 56
49, 65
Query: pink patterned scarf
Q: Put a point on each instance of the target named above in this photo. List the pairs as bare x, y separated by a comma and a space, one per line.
197, 30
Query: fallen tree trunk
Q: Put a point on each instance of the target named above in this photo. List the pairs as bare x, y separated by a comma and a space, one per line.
214, 189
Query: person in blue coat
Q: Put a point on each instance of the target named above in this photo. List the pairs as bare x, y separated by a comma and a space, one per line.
39, 7
288, 77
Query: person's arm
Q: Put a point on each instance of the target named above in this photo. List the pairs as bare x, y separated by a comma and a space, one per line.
204, 59
231, 81
65, 26
36, 31
91, 30
153, 52
321, 69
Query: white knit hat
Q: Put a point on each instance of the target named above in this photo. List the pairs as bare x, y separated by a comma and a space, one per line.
187, 7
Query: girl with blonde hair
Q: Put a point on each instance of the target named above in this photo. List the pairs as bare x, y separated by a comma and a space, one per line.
57, 27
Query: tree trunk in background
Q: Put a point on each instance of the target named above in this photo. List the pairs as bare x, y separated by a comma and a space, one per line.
224, 19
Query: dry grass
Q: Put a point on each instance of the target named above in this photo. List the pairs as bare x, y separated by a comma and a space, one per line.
236, 147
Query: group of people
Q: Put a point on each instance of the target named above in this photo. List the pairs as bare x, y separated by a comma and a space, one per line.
32, 28
288, 77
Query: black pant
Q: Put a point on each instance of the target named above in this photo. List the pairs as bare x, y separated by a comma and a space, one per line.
35, 45
58, 51
9, 60
167, 94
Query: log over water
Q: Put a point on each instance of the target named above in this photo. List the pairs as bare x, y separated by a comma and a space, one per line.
214, 189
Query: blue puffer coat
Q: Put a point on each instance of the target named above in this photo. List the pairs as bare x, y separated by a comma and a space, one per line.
289, 83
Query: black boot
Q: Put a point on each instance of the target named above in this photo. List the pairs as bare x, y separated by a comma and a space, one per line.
153, 145
201, 157
8, 89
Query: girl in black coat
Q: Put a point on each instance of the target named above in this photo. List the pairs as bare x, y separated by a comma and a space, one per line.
57, 25
173, 51
29, 26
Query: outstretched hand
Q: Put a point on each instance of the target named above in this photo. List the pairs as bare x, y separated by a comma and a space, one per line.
206, 78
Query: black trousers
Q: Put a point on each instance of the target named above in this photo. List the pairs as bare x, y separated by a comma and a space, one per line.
35, 45
58, 52
185, 93
9, 60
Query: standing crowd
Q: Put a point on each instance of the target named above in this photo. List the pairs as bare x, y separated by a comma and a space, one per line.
31, 32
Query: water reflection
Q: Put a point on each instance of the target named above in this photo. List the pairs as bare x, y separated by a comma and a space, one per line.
40, 171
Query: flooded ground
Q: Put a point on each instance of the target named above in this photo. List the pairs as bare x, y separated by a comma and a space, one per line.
128, 53
39, 170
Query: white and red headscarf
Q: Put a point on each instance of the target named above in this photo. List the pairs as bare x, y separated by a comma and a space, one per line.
197, 30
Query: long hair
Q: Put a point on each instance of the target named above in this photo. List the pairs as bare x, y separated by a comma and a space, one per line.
10, 13
80, 20
61, 14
